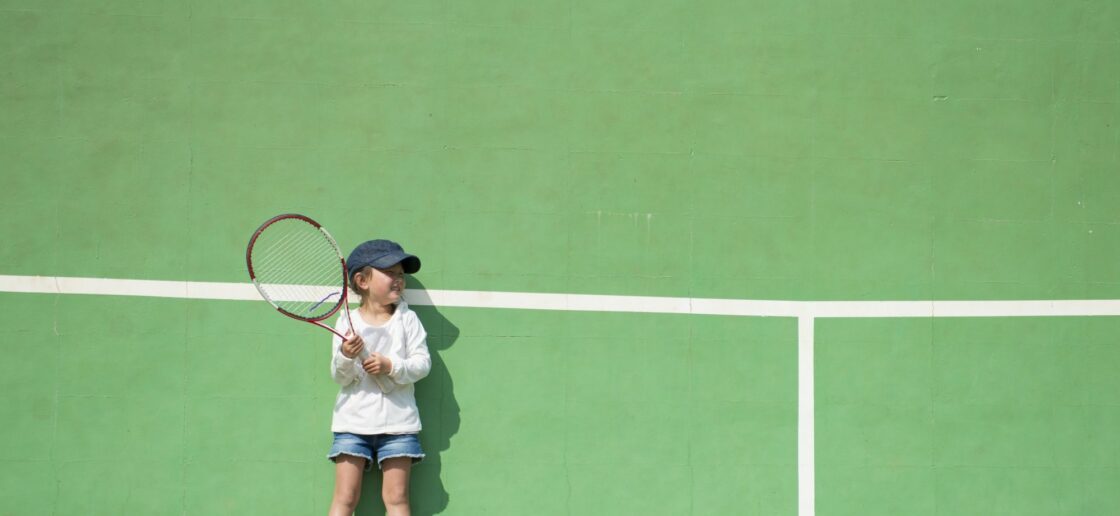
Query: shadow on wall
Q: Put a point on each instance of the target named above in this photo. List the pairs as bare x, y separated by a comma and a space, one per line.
439, 413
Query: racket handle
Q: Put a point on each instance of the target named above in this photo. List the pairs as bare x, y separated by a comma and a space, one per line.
362, 356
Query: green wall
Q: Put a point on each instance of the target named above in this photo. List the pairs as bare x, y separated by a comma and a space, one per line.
805, 150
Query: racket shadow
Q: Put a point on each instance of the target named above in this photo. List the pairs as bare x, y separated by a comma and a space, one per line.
439, 412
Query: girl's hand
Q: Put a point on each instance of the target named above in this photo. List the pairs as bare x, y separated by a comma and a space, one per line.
352, 346
377, 364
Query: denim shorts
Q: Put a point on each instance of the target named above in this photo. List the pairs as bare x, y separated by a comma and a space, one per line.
386, 446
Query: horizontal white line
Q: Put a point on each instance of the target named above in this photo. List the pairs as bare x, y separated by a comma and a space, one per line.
128, 287
590, 303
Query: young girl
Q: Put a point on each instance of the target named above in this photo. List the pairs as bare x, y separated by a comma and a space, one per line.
370, 424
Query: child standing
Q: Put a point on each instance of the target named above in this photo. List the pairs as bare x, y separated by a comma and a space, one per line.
372, 425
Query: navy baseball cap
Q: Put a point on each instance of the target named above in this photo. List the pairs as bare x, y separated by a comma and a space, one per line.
380, 254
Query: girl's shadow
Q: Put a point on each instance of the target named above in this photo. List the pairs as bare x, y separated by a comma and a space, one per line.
439, 413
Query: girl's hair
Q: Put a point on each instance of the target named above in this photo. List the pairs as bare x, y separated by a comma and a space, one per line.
354, 284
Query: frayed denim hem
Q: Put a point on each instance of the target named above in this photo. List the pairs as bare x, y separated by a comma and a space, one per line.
369, 460
416, 459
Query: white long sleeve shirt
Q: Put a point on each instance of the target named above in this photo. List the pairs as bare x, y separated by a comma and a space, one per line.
361, 406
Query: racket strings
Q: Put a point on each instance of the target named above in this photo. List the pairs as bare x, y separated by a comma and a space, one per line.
289, 251
324, 277
298, 268
301, 299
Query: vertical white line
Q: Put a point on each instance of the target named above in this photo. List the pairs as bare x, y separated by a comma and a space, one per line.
806, 486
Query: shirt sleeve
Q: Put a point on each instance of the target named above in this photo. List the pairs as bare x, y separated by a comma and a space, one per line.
417, 362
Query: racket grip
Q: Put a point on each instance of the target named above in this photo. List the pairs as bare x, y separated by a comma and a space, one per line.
362, 356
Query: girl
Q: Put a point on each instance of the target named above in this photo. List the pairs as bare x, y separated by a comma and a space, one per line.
369, 422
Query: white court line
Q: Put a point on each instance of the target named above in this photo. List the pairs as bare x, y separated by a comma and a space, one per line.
806, 313
589, 302
806, 426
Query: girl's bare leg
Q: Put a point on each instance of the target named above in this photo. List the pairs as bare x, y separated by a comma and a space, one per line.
348, 472
394, 485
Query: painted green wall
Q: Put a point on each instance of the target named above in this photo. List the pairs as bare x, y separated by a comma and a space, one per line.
807, 150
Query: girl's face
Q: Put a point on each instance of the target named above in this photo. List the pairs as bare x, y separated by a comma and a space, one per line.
383, 286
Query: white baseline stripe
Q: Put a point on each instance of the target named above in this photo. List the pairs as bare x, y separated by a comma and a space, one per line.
128, 287
589, 302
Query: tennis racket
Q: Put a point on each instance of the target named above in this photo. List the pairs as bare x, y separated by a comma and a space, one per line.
297, 267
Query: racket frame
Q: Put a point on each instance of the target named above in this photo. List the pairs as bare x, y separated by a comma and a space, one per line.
344, 302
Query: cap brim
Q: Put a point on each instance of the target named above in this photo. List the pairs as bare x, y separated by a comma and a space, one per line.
411, 264
408, 262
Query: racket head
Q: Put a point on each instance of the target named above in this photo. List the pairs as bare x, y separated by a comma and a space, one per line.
297, 267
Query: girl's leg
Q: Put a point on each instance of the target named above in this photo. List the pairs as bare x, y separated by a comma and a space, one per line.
394, 485
348, 471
